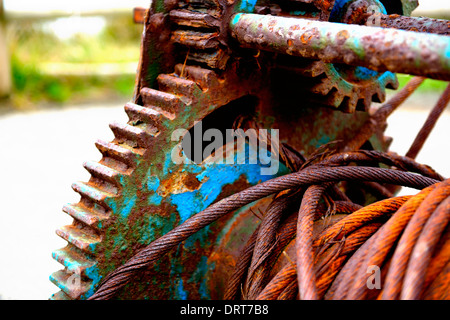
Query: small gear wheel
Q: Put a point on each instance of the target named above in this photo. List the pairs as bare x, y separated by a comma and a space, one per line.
350, 88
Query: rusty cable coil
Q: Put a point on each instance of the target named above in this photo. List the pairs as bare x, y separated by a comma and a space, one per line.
331, 264
314, 242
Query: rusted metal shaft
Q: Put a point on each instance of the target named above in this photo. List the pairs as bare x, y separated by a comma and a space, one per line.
418, 24
379, 49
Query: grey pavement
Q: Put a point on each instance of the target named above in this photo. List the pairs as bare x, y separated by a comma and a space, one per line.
42, 154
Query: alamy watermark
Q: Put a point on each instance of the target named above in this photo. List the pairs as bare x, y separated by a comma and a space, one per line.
374, 280
374, 19
228, 147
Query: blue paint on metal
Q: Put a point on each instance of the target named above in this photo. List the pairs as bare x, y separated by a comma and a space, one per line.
214, 177
153, 183
247, 6
303, 13
384, 75
75, 266
181, 293
236, 18
94, 274
128, 206
340, 6
297, 13
364, 73
336, 12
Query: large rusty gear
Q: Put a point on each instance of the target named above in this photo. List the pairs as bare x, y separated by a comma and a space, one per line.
136, 193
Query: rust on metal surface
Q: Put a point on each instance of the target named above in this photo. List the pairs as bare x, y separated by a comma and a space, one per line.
139, 15
418, 24
147, 227
375, 48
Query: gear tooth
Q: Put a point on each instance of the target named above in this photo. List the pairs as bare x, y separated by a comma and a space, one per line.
133, 135
83, 239
323, 88
74, 260
216, 59
176, 85
314, 69
60, 295
151, 116
392, 83
104, 172
201, 37
73, 288
204, 78
335, 98
121, 154
88, 216
193, 19
195, 39
379, 95
331, 79
93, 192
349, 103
162, 100
388, 80
363, 104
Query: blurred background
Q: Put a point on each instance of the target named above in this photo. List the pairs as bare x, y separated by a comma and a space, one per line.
66, 71
61, 52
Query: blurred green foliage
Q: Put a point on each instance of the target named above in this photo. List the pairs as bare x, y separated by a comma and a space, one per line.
429, 85
31, 46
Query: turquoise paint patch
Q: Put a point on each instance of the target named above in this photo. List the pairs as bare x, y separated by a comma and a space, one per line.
384, 75
236, 19
215, 177
167, 164
94, 274
363, 73
153, 183
297, 13
187, 203
303, 13
181, 293
128, 206
247, 6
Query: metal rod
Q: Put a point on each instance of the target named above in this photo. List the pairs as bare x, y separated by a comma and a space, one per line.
429, 124
379, 49
418, 24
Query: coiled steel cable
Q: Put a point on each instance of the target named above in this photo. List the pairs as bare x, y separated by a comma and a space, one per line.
309, 176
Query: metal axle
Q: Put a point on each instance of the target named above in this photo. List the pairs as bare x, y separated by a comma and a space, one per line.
376, 48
